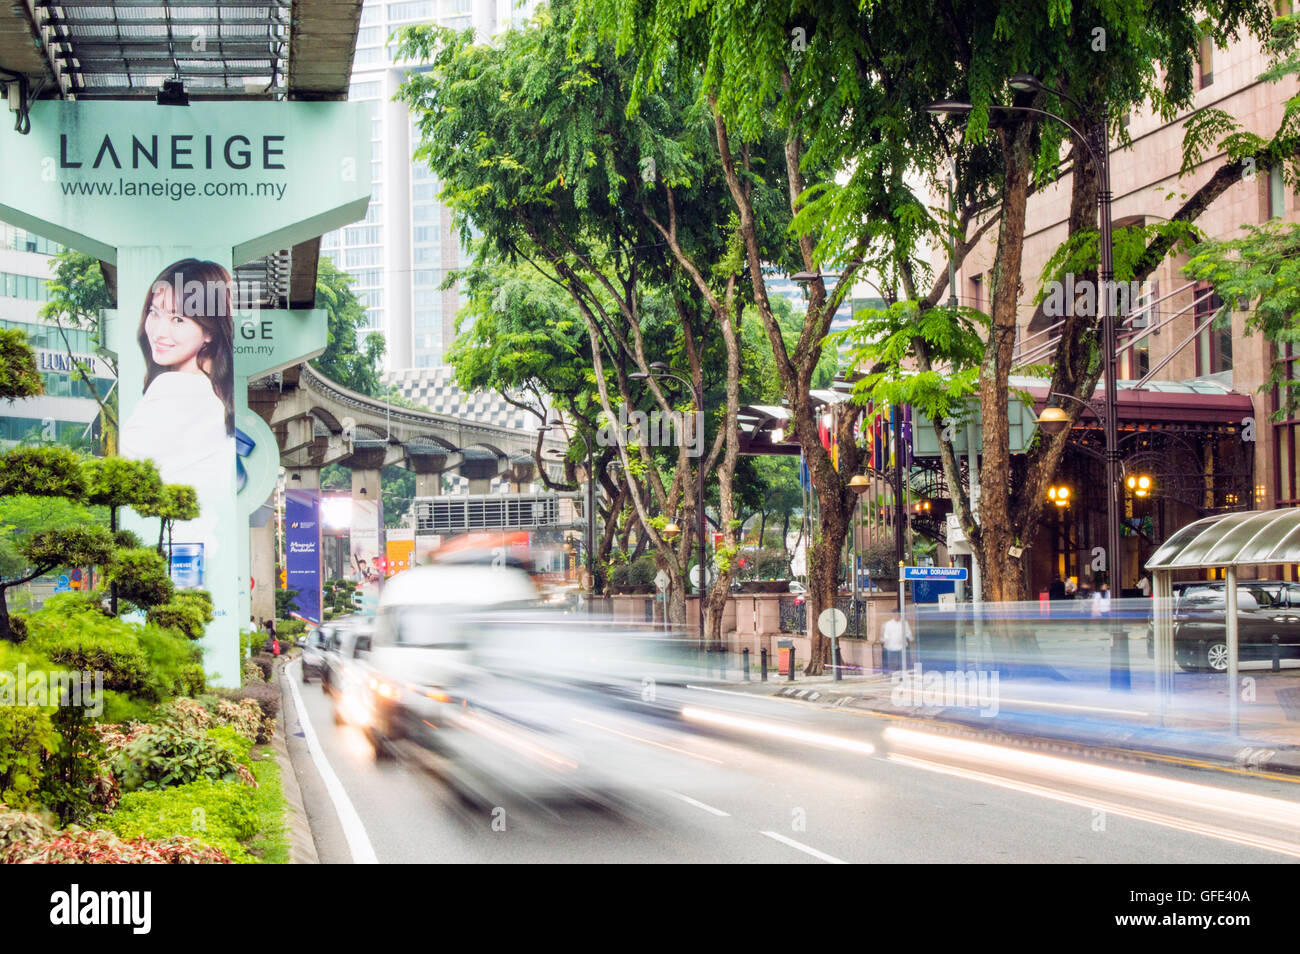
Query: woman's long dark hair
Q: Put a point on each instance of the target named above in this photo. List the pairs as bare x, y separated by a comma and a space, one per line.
213, 312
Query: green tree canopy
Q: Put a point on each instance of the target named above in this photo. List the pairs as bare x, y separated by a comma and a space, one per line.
44, 472
19, 377
348, 359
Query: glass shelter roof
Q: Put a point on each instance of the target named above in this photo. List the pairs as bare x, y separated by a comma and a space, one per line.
1250, 538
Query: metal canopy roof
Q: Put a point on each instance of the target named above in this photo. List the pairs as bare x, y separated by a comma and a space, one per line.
124, 48
1249, 538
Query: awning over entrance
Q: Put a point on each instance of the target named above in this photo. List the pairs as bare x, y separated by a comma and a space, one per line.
1233, 539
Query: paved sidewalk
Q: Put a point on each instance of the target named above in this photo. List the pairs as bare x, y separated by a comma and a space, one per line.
1196, 725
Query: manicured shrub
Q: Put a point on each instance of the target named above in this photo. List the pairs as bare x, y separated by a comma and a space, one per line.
175, 663
27, 838
217, 814
265, 662
169, 753
244, 716
267, 698
253, 673
290, 628
190, 713
76, 637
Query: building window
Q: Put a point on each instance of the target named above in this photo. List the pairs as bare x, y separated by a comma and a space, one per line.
361, 256
23, 286
1205, 62
977, 292
1214, 344
1276, 193
411, 10
361, 235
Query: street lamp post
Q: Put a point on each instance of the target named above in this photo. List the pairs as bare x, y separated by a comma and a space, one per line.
660, 370
1097, 142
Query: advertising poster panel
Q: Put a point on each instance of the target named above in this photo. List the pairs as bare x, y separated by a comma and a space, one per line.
366, 547
399, 547
302, 551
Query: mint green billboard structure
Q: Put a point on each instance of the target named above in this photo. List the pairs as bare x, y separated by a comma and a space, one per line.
175, 198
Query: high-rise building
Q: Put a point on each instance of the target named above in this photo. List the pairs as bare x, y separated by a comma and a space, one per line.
67, 411
404, 249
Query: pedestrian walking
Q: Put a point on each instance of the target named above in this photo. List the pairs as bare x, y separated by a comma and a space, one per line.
895, 637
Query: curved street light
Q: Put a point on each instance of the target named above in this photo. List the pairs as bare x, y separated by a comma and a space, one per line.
1096, 139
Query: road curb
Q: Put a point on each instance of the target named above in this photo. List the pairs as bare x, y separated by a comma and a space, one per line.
302, 843
1153, 744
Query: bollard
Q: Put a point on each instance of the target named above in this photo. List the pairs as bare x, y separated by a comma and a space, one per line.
744, 662
791, 664
839, 661
762, 663
1277, 657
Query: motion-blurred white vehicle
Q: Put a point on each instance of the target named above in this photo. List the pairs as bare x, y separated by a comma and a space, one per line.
421, 651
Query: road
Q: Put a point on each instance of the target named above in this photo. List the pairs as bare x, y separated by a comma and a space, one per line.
747, 778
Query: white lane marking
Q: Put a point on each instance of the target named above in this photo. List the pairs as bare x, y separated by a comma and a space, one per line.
363, 853
700, 805
806, 849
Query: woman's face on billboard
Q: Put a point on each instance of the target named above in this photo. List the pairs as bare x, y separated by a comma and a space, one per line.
174, 339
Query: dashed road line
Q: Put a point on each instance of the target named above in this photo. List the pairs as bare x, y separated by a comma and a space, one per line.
700, 805
806, 849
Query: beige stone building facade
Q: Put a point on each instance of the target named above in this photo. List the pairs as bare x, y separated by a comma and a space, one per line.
1212, 451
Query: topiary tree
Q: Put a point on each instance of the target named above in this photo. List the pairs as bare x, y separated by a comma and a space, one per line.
176, 502
189, 611
43, 472
46, 550
116, 482
139, 576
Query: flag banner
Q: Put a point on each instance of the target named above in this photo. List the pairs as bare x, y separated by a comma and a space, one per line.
302, 551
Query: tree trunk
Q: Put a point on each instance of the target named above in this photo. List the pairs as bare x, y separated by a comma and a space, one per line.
6, 627
1001, 575
112, 587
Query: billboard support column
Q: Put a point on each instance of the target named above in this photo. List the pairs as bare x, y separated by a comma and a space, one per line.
261, 544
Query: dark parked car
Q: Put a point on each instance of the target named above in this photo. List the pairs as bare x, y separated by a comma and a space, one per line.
313, 653
1265, 609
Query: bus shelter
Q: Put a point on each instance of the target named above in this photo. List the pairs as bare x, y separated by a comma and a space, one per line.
1228, 541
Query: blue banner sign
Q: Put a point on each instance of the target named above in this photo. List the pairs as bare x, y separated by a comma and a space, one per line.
935, 573
302, 551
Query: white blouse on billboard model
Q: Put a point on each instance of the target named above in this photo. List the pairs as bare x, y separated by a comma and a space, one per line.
180, 424
184, 420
